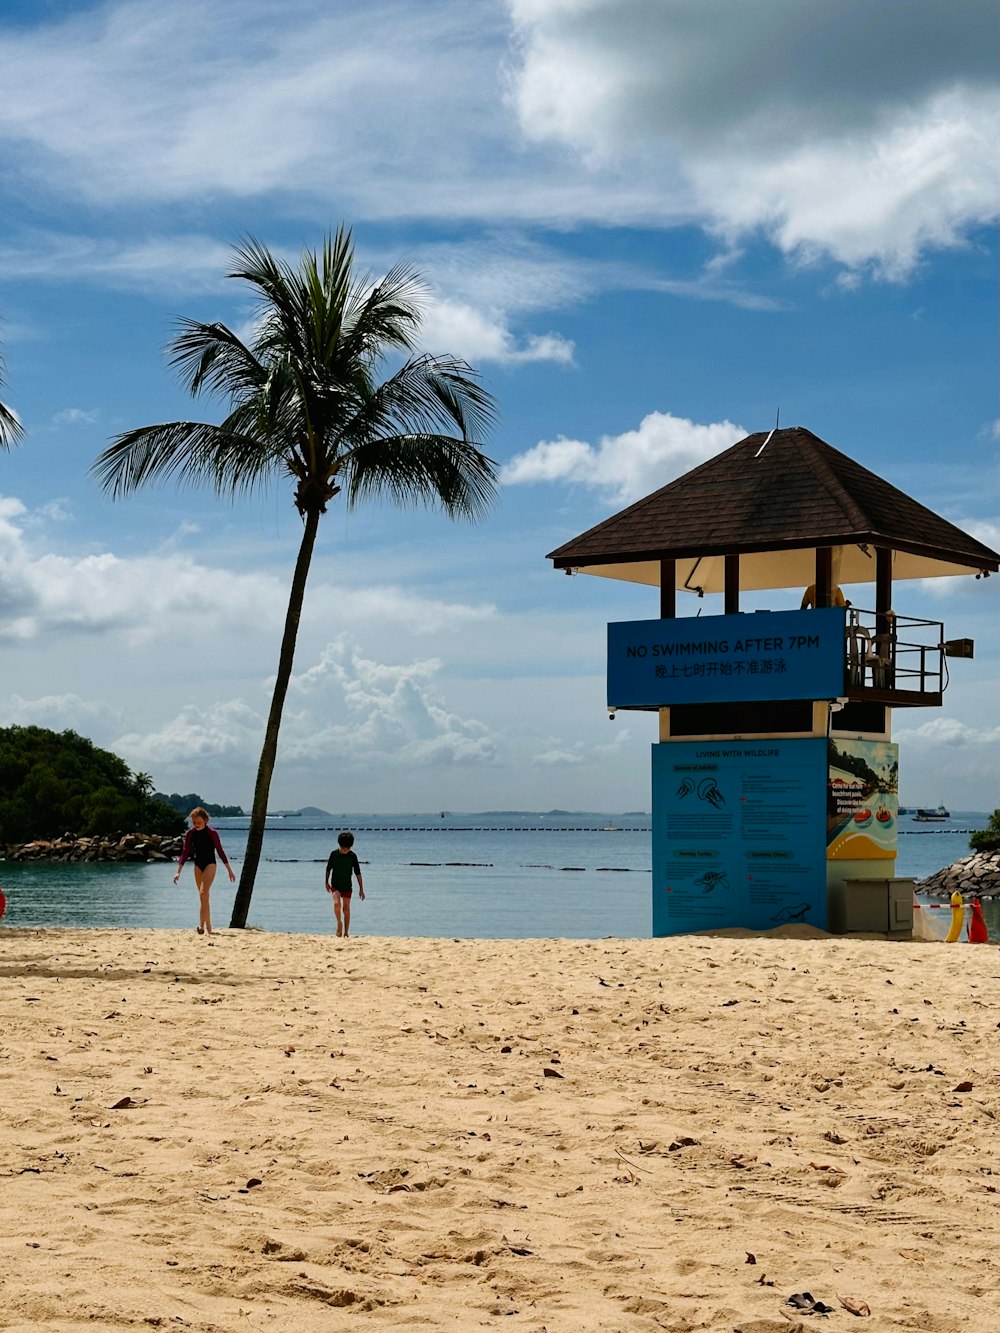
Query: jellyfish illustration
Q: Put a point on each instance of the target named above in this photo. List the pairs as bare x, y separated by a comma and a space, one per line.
686, 788
709, 791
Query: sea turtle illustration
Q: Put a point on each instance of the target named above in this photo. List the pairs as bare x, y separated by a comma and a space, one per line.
713, 879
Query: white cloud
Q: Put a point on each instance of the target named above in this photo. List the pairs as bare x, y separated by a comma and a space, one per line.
949, 755
60, 712
178, 263
478, 336
625, 467
838, 130
167, 100
372, 714
386, 604
54, 511
168, 594
71, 416
387, 726
226, 730
949, 732
558, 758
920, 184
985, 531
43, 593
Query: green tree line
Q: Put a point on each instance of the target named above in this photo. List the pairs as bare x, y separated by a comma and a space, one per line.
987, 839
59, 782
185, 804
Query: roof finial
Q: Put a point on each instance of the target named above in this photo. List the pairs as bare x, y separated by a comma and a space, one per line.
777, 418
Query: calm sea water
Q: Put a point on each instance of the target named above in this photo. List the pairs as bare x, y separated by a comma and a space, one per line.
507, 876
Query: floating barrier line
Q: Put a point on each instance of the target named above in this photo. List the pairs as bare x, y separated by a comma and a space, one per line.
474, 828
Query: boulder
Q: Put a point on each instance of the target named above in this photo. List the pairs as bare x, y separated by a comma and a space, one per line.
974, 876
117, 847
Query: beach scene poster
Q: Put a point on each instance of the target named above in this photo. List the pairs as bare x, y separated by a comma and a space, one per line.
862, 815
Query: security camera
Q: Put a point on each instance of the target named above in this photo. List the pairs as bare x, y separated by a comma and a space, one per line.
611, 714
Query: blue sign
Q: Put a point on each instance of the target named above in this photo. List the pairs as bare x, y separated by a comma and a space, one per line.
739, 834
727, 659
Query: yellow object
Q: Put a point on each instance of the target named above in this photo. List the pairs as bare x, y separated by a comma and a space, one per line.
957, 918
809, 597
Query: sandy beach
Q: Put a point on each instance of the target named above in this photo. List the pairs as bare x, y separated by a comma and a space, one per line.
261, 1131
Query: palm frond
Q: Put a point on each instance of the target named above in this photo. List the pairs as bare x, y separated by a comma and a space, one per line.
426, 393
384, 315
424, 469
11, 430
212, 357
190, 452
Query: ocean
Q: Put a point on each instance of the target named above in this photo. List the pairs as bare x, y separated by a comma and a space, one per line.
507, 875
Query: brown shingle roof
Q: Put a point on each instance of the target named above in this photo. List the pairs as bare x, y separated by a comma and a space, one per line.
797, 492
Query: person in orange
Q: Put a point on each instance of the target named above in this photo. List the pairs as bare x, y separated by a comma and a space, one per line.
809, 597
200, 846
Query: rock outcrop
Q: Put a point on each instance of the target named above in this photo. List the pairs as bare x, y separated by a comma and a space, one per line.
114, 847
975, 876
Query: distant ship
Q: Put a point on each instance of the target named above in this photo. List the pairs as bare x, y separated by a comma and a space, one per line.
930, 816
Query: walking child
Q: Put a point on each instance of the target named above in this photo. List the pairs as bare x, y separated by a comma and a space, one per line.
200, 846
341, 866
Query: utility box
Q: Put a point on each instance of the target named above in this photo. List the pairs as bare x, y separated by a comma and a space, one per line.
882, 906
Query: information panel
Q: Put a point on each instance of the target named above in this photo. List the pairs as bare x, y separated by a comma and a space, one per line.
862, 804
739, 834
723, 659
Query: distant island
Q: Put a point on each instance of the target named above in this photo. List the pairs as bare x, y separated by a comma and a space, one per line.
560, 814
185, 804
307, 812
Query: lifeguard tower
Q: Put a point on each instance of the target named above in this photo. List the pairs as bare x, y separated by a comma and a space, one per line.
775, 778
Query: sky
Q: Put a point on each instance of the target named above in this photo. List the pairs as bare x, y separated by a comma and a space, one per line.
651, 226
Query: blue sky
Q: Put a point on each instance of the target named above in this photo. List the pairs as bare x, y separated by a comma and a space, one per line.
648, 223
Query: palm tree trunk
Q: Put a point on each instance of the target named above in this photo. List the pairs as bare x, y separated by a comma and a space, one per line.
258, 814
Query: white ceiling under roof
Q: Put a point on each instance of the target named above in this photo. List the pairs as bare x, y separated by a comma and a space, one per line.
779, 569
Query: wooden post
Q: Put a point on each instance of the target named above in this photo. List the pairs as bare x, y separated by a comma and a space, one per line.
885, 621
732, 585
824, 576
668, 589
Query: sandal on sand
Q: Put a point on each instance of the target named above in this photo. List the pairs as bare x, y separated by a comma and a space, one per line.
201, 930
806, 1303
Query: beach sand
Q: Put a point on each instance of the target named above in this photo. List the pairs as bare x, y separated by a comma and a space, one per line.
262, 1131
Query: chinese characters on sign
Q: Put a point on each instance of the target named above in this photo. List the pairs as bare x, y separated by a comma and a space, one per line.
715, 659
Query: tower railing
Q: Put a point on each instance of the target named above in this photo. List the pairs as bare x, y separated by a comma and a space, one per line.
889, 654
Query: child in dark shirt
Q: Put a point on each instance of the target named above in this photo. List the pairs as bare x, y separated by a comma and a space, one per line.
341, 866
201, 842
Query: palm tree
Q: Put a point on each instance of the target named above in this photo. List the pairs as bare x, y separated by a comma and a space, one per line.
11, 430
142, 786
306, 403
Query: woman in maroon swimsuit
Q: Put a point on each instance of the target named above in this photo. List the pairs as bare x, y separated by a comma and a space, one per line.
200, 846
